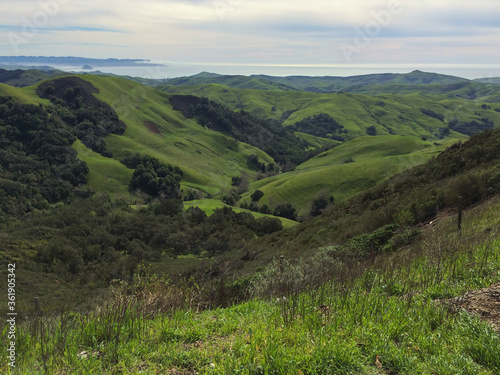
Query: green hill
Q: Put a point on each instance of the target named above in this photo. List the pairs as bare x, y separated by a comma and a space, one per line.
211, 159
326, 84
27, 77
236, 81
388, 114
208, 158
336, 84
345, 171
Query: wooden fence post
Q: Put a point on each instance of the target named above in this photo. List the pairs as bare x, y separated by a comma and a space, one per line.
37, 303
460, 210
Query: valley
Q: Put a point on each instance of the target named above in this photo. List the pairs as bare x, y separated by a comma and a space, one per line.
271, 224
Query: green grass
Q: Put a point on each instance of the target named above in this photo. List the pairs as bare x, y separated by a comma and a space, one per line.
25, 95
320, 84
375, 159
210, 205
392, 309
208, 158
389, 114
105, 175
316, 142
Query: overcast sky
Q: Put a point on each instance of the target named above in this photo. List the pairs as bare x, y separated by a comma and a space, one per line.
256, 31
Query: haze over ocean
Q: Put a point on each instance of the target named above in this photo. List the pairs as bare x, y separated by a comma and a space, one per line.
172, 70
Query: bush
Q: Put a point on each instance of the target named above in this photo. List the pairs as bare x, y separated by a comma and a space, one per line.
286, 210
256, 195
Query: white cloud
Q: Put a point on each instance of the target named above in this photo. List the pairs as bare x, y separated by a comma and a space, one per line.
279, 31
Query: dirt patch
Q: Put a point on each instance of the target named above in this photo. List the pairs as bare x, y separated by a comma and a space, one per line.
152, 127
483, 302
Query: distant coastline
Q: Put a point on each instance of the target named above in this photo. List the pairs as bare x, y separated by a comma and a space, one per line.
166, 69
73, 61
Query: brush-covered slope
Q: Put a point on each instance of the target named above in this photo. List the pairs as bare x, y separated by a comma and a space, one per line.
470, 169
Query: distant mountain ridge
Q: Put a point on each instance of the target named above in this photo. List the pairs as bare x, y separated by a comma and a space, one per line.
325, 84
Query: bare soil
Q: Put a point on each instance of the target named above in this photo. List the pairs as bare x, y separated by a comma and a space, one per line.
483, 302
152, 127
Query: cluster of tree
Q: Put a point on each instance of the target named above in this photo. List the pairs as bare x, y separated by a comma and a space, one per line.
320, 204
371, 130
321, 125
254, 163
37, 164
7, 75
285, 210
431, 113
154, 177
91, 119
96, 239
268, 135
471, 127
255, 207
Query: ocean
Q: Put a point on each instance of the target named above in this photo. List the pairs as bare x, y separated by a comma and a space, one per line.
172, 70
164, 69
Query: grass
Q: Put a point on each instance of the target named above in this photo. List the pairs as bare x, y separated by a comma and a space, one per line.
25, 95
105, 175
375, 159
209, 159
390, 309
389, 114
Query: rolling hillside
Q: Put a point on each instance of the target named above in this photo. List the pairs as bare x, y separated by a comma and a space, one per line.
389, 114
211, 159
27, 77
346, 170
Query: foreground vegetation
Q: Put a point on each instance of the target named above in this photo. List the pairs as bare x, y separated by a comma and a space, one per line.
393, 306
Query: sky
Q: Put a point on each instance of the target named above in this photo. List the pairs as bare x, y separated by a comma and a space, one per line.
421, 33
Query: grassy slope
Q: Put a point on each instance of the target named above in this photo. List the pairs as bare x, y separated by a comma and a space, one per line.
26, 95
105, 175
376, 158
389, 114
208, 158
391, 310
484, 92
31, 76
316, 84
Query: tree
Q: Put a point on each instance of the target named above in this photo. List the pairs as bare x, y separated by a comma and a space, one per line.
256, 195
371, 130
286, 210
318, 205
